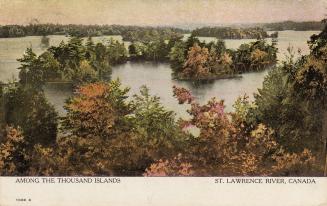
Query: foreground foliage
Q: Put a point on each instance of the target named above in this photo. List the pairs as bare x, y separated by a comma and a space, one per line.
104, 133
223, 147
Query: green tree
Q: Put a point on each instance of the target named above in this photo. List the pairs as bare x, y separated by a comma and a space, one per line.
282, 108
84, 74
28, 73
177, 56
36, 71
28, 108
311, 83
2, 110
190, 42
90, 49
116, 52
159, 135
69, 55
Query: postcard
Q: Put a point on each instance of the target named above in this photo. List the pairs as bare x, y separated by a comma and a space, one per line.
166, 102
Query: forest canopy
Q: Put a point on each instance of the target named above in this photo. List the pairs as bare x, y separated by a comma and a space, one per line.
127, 32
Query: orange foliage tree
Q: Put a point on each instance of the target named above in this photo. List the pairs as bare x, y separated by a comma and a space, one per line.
195, 66
105, 134
223, 148
14, 158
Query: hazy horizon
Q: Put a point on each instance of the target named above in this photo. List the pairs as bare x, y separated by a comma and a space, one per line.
160, 12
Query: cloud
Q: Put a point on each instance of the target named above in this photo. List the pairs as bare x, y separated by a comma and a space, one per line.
159, 12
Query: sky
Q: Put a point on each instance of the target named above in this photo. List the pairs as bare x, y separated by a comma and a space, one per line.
159, 12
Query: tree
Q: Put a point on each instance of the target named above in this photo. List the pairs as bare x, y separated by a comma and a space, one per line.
98, 132
195, 66
156, 50
159, 136
116, 52
220, 46
69, 55
84, 74
28, 108
259, 58
170, 167
14, 158
214, 60
231, 33
254, 56
138, 51
35, 71
96, 108
90, 49
190, 42
71, 61
219, 63
280, 107
50, 66
222, 149
115, 137
132, 50
311, 84
2, 111
27, 63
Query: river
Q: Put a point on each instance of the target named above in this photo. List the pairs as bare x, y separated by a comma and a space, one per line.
157, 77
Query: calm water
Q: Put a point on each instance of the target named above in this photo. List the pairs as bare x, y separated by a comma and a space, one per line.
156, 76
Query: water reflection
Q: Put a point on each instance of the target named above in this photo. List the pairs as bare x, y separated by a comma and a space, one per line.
57, 94
158, 79
45, 42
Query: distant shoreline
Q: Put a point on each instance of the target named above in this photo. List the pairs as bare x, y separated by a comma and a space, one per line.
128, 41
8, 31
